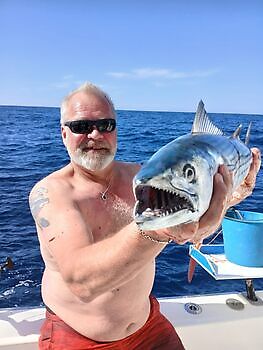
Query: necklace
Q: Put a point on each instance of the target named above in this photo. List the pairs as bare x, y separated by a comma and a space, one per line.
103, 195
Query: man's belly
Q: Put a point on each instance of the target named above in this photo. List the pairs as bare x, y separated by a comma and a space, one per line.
111, 316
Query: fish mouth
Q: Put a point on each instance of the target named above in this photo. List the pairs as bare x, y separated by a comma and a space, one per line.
155, 203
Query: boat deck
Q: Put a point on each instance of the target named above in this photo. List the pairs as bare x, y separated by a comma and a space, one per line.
211, 323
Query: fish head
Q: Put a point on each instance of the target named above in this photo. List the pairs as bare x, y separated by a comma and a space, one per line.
173, 187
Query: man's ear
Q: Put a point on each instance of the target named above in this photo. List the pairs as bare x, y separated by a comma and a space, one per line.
64, 135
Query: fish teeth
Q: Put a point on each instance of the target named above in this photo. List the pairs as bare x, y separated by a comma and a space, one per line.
157, 211
148, 212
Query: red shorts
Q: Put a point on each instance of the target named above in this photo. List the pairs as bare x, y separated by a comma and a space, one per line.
156, 334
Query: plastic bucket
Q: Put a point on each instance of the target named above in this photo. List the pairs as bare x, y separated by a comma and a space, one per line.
243, 237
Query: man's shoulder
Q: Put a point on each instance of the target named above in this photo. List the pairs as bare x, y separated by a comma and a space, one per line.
58, 180
129, 167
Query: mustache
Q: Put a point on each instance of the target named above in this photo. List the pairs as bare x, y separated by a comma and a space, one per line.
94, 145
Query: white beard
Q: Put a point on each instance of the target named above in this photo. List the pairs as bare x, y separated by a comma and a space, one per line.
92, 161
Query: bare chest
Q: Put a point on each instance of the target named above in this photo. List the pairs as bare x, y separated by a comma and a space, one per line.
109, 215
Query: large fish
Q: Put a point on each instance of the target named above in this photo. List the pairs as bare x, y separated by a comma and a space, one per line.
175, 185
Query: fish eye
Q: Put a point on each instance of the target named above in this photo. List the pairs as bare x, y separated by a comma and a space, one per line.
189, 172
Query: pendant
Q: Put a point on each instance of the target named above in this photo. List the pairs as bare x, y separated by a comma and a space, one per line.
103, 196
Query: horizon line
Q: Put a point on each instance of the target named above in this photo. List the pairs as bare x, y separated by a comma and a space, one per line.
136, 110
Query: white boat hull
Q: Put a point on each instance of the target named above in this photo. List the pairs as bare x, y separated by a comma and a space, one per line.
217, 327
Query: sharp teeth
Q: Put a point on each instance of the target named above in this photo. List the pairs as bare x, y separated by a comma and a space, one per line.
157, 211
148, 213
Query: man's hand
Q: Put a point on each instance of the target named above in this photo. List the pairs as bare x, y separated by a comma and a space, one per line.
223, 197
247, 186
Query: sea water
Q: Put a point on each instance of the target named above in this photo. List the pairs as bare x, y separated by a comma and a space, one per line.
31, 148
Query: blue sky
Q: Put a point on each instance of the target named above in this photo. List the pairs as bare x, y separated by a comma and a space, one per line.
148, 55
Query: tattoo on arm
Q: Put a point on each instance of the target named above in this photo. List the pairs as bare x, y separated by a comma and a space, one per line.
56, 236
37, 201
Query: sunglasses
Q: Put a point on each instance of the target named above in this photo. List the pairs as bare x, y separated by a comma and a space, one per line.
87, 126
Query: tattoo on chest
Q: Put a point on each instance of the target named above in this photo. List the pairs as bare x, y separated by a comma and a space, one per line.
37, 201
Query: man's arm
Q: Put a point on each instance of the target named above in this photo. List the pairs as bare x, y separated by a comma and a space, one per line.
88, 268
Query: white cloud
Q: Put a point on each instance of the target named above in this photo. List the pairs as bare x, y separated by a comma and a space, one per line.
163, 73
68, 77
61, 85
68, 82
120, 74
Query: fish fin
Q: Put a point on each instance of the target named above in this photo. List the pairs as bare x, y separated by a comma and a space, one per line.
191, 270
248, 133
237, 132
192, 264
202, 124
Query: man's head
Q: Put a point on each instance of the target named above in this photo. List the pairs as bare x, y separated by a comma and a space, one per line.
86, 88
88, 123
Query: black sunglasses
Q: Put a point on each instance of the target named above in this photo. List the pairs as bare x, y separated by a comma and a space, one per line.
87, 126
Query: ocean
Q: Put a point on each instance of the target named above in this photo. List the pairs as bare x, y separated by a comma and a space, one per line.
31, 148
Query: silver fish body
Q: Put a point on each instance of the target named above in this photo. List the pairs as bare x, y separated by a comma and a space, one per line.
175, 185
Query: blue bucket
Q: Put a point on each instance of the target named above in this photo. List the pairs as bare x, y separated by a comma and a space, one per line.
243, 237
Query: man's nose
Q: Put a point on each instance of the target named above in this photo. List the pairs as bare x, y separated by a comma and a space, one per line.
95, 134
